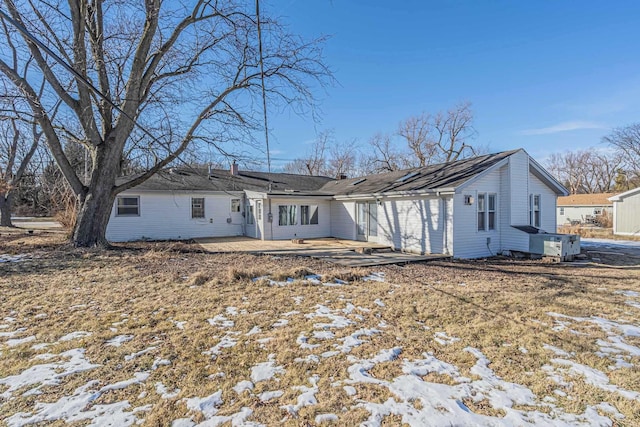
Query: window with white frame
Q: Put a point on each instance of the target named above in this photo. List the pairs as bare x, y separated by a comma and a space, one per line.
487, 211
287, 215
128, 206
534, 210
309, 214
235, 205
259, 210
482, 210
561, 211
249, 212
197, 207
491, 211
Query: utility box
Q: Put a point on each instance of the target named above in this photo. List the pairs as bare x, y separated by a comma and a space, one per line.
564, 246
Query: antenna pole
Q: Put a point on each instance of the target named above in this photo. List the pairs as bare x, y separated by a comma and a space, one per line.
264, 93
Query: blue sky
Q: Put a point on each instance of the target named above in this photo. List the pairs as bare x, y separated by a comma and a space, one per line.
547, 76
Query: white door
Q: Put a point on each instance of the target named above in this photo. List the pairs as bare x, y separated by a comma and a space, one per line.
367, 221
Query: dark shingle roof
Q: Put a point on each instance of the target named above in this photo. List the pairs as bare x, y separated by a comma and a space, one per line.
440, 176
434, 177
199, 179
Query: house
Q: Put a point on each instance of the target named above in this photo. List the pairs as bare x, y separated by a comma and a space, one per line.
469, 208
626, 213
583, 208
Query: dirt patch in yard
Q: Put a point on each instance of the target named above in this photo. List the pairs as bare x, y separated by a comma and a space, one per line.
182, 335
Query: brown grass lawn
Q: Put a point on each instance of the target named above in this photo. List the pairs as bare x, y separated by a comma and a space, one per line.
162, 296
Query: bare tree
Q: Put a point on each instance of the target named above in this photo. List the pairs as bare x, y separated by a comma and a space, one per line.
314, 163
626, 141
343, 159
383, 156
586, 171
442, 137
148, 78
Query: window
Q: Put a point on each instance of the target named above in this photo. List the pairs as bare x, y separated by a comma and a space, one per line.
259, 210
561, 211
309, 215
491, 212
481, 211
287, 215
235, 205
534, 210
249, 214
197, 207
128, 206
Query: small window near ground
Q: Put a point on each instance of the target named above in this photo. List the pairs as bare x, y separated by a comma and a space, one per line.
197, 207
128, 206
309, 214
481, 212
491, 212
287, 215
235, 205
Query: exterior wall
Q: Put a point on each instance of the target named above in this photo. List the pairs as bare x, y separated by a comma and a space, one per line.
513, 183
343, 220
414, 225
283, 232
578, 213
468, 242
547, 204
627, 215
165, 215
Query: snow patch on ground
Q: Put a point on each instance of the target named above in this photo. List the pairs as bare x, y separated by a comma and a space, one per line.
74, 336
117, 341
266, 370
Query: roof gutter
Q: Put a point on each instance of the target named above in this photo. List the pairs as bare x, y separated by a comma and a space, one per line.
398, 194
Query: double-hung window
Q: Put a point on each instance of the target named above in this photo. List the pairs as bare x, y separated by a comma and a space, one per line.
487, 208
491, 211
534, 210
287, 215
197, 207
309, 214
235, 205
128, 206
482, 209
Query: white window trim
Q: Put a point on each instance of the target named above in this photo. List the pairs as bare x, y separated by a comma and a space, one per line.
309, 214
128, 197
204, 209
296, 213
485, 196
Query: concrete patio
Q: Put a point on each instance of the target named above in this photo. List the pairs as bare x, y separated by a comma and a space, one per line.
344, 252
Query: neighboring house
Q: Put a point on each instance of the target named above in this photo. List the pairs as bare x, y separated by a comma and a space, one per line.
468, 208
583, 208
626, 213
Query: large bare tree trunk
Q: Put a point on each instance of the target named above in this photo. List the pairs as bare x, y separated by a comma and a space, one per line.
5, 210
93, 217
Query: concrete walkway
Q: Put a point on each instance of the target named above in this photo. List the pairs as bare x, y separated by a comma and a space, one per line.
338, 251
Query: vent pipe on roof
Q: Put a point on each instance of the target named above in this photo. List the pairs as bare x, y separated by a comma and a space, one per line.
210, 170
234, 168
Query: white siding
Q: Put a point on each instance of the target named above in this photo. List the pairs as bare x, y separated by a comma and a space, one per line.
413, 225
343, 220
626, 220
515, 185
284, 232
547, 204
468, 242
165, 215
578, 213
